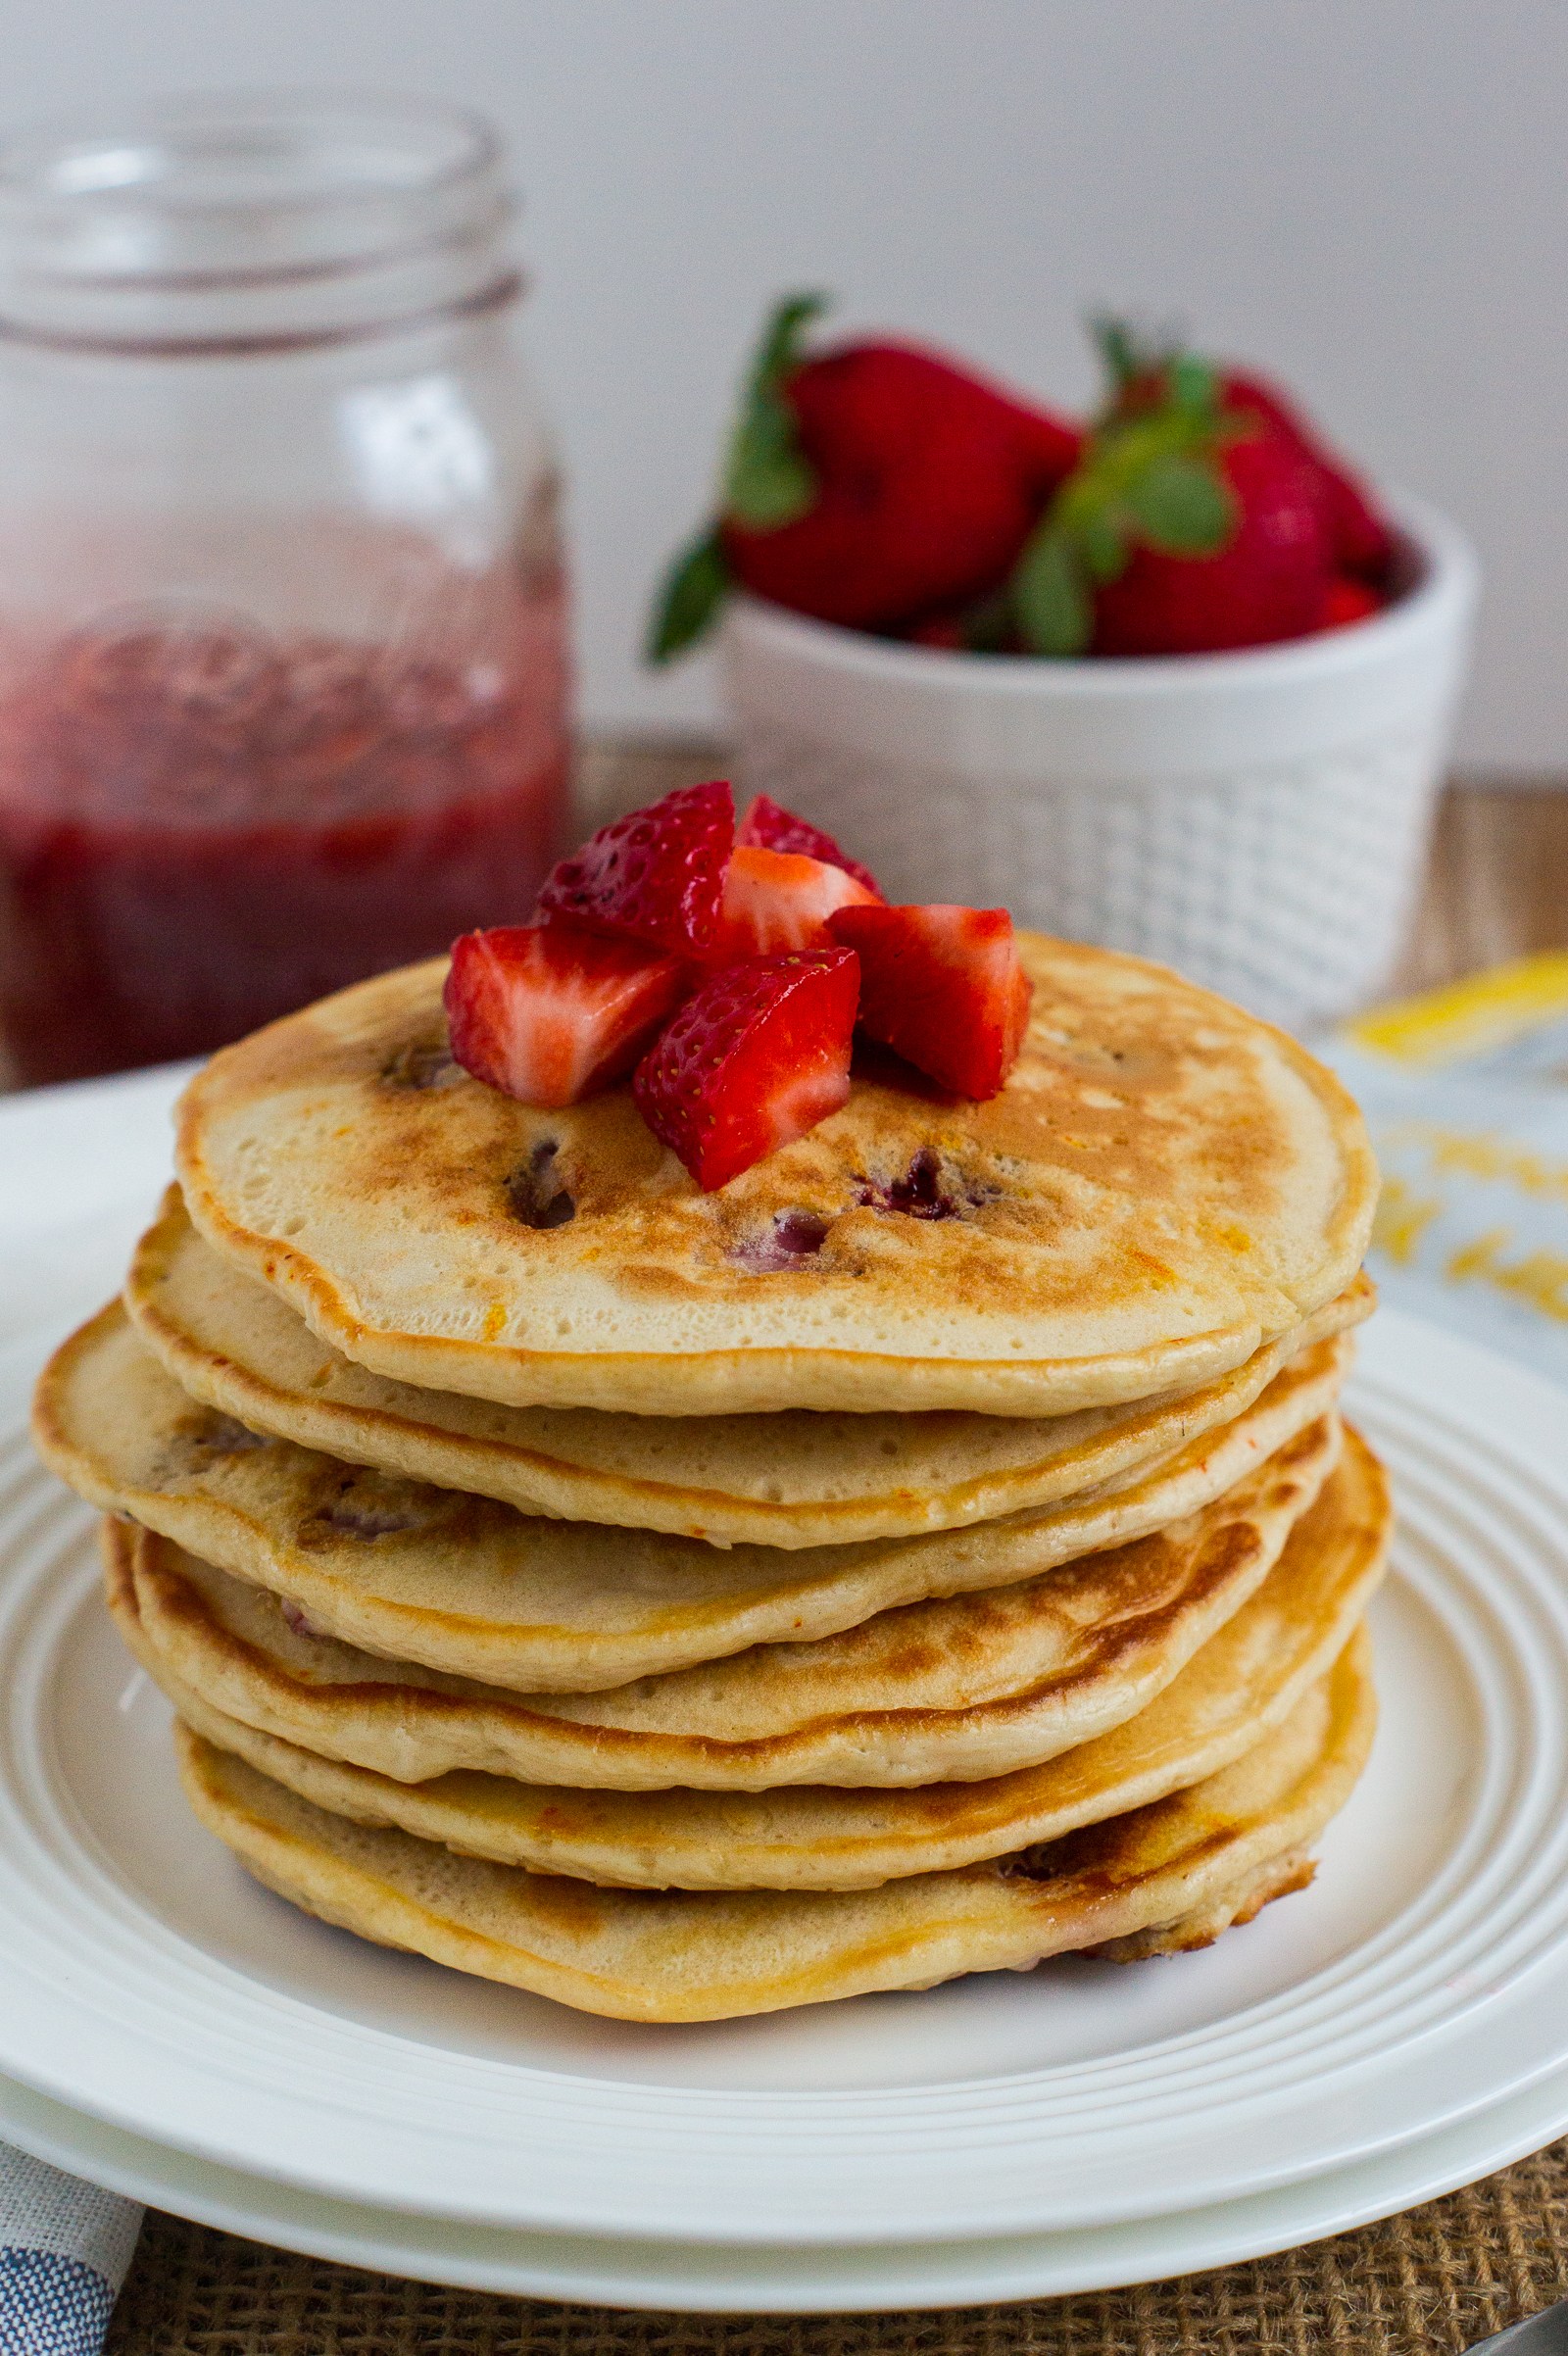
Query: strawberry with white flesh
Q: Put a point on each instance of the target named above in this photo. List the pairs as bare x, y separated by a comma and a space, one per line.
776, 901
655, 877
757, 1057
943, 987
768, 827
551, 1015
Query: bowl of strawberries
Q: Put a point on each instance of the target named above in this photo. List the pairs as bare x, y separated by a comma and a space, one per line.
1175, 680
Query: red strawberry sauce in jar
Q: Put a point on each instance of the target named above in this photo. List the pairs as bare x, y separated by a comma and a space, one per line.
200, 830
283, 640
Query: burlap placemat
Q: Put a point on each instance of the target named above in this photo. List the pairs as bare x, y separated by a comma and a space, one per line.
1437, 2279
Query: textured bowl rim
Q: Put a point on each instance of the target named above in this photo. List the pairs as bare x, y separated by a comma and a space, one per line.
1444, 592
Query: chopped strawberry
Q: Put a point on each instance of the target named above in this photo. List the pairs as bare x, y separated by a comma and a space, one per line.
656, 876
775, 901
550, 1015
770, 827
943, 987
1347, 600
757, 1057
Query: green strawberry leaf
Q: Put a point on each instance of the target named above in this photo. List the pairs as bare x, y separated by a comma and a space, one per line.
768, 482
780, 348
1194, 387
1104, 542
1050, 597
1149, 476
1120, 349
688, 602
1183, 504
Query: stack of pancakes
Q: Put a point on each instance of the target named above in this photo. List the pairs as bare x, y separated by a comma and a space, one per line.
936, 1550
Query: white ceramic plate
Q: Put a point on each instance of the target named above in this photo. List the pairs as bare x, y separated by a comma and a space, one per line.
146, 1982
694, 2278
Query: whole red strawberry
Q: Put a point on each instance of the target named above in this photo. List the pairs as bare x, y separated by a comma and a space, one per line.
1188, 526
1348, 600
928, 484
866, 486
1360, 534
1269, 582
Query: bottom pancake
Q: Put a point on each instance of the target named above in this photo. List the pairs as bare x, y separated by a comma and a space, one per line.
1181, 1866
1241, 1684
1228, 1910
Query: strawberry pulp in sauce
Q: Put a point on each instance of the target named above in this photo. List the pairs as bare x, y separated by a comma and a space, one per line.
202, 827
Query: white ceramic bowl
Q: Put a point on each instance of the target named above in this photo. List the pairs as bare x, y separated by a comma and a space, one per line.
1257, 819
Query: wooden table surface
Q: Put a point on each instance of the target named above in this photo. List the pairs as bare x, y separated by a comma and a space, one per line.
1496, 883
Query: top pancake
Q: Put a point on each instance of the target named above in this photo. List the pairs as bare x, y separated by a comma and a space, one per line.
1163, 1185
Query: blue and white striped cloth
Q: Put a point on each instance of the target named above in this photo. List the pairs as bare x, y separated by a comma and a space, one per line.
64, 2249
1472, 1229
79, 1169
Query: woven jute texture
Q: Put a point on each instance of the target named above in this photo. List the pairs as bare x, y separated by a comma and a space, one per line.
1436, 2280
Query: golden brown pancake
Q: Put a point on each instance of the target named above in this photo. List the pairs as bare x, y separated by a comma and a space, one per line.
1163, 1187
1227, 1910
465, 1585
1183, 1866
1237, 1690
795, 1478
934, 1692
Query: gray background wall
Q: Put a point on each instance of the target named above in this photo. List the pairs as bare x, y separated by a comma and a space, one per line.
1368, 196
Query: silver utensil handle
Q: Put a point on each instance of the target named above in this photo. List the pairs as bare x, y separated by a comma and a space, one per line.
1543, 2335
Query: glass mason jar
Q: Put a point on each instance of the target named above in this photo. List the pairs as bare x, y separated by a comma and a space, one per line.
283, 655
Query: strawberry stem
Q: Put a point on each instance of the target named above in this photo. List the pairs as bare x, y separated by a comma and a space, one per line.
1051, 596
768, 484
